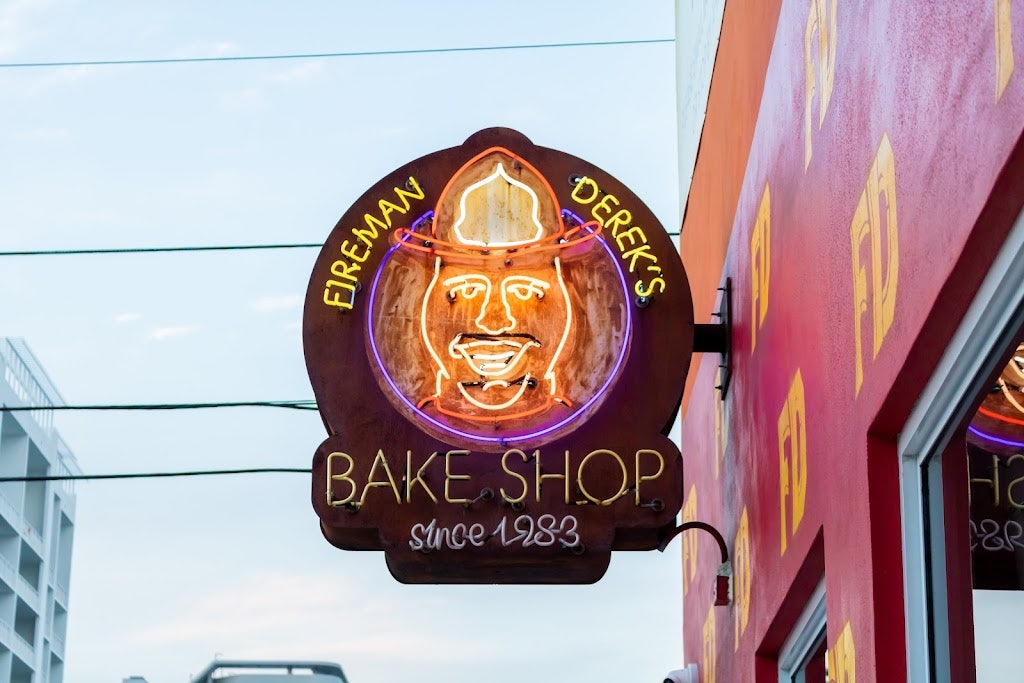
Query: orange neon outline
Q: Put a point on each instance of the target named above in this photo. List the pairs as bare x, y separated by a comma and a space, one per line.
515, 157
1001, 418
455, 250
501, 418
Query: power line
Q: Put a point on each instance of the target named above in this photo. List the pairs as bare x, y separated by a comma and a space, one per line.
159, 475
332, 55
157, 250
154, 250
306, 404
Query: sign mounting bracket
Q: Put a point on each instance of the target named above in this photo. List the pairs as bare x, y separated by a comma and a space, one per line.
717, 337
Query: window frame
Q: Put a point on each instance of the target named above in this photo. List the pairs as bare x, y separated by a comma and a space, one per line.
806, 637
993, 320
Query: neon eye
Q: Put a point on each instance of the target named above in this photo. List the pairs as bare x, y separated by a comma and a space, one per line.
524, 291
467, 290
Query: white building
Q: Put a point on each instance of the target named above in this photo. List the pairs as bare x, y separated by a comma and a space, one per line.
37, 520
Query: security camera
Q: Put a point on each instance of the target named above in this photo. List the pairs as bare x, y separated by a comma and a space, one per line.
687, 675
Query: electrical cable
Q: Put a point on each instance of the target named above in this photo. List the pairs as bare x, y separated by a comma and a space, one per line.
158, 475
306, 404
155, 250
331, 55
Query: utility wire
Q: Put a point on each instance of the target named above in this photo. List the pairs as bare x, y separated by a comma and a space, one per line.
157, 250
307, 404
331, 55
154, 250
159, 475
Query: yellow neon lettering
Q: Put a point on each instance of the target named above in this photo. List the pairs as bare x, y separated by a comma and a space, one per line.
640, 478
387, 208
411, 481
405, 196
633, 234
1004, 46
585, 183
372, 224
332, 477
657, 282
449, 477
1009, 487
603, 205
793, 460
336, 299
994, 481
539, 478
371, 483
741, 577
868, 220
621, 218
504, 466
760, 266
344, 270
350, 252
624, 484
633, 254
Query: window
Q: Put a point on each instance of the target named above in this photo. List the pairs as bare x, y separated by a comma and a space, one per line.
934, 433
803, 658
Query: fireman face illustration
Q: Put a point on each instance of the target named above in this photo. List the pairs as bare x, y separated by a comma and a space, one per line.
496, 315
492, 354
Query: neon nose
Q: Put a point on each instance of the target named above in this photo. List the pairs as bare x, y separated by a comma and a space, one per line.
494, 317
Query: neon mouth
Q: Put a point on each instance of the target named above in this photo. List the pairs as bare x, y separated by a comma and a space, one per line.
481, 388
492, 357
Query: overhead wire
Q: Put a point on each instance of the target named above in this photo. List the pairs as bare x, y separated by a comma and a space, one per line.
156, 250
157, 475
329, 55
305, 404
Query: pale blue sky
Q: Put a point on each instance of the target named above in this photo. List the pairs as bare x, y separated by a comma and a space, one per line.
168, 573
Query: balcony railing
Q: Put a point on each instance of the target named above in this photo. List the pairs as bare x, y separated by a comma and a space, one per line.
22, 373
61, 594
22, 648
8, 510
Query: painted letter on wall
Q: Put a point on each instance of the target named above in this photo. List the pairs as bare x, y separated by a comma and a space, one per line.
760, 266
875, 219
689, 540
741, 567
820, 77
792, 460
1004, 46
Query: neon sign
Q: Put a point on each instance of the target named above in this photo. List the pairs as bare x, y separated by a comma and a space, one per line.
497, 348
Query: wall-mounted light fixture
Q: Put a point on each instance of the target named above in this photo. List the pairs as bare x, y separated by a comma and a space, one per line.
723, 577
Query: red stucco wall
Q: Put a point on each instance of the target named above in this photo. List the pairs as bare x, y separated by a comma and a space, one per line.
864, 255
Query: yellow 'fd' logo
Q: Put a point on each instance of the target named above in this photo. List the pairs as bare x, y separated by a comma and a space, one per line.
760, 266
842, 662
742, 569
710, 648
792, 460
874, 221
820, 74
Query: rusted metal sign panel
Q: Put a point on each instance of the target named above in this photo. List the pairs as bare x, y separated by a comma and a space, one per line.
497, 335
